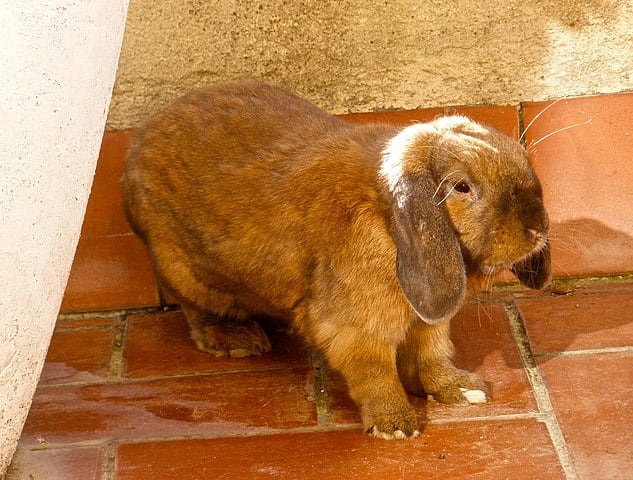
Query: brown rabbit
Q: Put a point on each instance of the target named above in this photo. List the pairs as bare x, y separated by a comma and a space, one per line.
255, 203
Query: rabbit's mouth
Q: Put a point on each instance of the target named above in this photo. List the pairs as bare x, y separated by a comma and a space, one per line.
507, 254
493, 268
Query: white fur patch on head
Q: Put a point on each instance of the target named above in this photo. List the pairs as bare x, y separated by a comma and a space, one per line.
469, 144
452, 129
459, 123
474, 396
464, 132
394, 151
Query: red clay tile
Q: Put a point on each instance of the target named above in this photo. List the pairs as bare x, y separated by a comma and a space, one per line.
592, 396
225, 404
109, 273
111, 268
578, 322
78, 356
585, 171
503, 118
104, 212
56, 464
485, 346
159, 344
472, 450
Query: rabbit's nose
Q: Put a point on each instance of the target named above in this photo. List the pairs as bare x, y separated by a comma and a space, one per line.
538, 236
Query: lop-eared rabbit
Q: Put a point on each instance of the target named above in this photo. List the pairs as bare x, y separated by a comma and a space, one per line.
256, 204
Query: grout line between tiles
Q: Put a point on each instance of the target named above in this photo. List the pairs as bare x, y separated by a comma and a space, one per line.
484, 418
123, 380
589, 351
521, 123
321, 401
117, 361
83, 329
110, 446
619, 283
115, 313
539, 388
252, 432
108, 468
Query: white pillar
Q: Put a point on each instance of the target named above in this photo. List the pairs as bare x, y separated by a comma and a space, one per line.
58, 61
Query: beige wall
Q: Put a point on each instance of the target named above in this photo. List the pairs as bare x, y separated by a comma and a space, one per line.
361, 55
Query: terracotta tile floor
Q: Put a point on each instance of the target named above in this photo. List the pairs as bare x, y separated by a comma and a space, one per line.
128, 396
125, 394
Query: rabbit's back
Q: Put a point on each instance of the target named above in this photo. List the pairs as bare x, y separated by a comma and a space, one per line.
238, 184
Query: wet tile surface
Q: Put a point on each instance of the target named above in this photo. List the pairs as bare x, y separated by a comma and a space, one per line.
84, 463
135, 399
593, 398
474, 450
78, 356
229, 404
178, 355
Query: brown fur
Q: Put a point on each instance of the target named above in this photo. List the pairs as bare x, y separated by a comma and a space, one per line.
253, 203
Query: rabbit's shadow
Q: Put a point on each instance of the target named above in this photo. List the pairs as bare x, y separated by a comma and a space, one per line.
581, 247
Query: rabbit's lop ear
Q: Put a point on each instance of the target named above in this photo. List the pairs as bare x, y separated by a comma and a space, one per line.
536, 270
430, 266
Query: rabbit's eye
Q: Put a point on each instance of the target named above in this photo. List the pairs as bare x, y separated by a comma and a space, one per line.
462, 187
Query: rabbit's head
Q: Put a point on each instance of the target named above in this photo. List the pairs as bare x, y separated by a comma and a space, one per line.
465, 202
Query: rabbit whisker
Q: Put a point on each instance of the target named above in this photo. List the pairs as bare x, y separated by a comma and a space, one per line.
568, 127
479, 304
522, 137
486, 311
571, 243
446, 177
581, 246
560, 266
573, 229
564, 245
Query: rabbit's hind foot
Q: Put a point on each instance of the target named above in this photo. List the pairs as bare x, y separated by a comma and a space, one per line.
230, 338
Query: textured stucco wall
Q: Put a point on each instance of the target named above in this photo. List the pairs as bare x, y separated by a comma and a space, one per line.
357, 55
58, 60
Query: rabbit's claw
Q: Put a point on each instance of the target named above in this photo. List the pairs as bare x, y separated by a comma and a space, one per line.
399, 424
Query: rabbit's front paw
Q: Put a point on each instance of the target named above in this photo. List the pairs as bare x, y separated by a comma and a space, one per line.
448, 384
398, 424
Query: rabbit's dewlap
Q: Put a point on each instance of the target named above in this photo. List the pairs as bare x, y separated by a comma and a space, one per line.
255, 204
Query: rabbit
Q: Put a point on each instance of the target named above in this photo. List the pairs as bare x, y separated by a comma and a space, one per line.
254, 204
